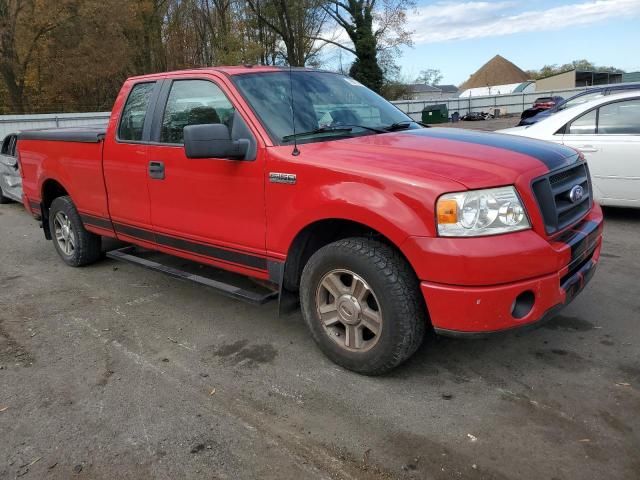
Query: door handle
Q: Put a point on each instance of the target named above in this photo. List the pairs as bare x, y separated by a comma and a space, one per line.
587, 148
156, 170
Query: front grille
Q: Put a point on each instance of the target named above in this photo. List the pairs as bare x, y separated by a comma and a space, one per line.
552, 193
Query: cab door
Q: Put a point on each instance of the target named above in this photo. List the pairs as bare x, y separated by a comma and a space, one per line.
609, 138
210, 209
125, 162
618, 138
581, 134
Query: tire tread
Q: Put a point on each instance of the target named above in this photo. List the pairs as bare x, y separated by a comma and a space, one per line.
411, 316
89, 248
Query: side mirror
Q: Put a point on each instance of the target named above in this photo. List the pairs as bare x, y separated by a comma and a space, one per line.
213, 140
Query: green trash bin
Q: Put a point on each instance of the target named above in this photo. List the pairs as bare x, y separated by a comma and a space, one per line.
435, 113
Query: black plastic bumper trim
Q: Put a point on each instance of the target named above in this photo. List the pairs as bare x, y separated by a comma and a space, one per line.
94, 221
208, 251
548, 315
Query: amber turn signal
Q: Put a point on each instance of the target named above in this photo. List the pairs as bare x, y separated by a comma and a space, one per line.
447, 211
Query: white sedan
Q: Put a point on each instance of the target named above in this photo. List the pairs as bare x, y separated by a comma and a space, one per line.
607, 131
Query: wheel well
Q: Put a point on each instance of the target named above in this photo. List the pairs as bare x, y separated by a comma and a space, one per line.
50, 191
315, 236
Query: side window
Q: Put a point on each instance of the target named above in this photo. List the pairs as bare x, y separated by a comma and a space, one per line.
584, 125
135, 111
581, 99
194, 102
620, 118
13, 143
5, 145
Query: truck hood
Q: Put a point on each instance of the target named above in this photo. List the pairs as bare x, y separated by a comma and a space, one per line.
473, 159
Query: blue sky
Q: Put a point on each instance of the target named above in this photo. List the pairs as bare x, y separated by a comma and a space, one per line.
459, 37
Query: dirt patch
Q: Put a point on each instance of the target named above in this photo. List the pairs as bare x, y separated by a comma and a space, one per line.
631, 373
9, 278
562, 359
562, 322
421, 457
615, 423
12, 352
243, 353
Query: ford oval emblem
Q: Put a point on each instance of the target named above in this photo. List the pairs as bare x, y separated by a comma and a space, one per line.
576, 193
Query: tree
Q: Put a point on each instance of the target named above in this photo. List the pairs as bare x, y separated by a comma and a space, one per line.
24, 24
430, 76
376, 29
73, 75
72, 55
296, 22
261, 41
554, 69
150, 15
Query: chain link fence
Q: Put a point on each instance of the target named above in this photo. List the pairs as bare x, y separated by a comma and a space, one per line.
508, 104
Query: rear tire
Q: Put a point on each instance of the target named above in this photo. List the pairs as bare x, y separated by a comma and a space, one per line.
362, 303
75, 245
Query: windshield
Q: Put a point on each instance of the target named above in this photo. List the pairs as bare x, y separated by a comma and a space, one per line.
326, 105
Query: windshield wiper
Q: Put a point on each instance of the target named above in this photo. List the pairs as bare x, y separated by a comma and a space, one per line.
404, 125
332, 129
398, 126
371, 129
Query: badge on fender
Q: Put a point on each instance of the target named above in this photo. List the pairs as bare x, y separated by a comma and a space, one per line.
287, 178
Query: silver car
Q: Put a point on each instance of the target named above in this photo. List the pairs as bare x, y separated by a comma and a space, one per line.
10, 180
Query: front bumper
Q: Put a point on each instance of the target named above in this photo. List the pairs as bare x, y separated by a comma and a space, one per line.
472, 308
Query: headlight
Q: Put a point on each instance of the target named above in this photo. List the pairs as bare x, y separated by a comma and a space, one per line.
481, 212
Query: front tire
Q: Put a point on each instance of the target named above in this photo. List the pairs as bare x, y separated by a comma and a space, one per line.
75, 245
361, 301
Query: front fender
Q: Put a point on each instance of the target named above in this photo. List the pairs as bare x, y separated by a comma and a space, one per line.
394, 214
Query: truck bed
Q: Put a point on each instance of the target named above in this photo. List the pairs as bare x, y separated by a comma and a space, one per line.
69, 158
90, 134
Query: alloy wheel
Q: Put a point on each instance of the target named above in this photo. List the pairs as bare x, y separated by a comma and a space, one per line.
64, 234
349, 310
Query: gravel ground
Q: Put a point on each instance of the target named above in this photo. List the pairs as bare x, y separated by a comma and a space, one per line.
113, 371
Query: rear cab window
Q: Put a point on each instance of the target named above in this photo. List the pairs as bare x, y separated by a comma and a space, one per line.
134, 112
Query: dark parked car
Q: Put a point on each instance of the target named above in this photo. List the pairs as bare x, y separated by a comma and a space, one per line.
577, 100
541, 104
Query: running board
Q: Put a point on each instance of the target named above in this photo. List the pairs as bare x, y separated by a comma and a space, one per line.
160, 262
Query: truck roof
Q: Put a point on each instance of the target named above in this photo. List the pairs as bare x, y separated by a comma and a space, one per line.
230, 70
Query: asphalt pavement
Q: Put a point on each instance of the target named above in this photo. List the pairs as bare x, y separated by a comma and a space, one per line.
112, 371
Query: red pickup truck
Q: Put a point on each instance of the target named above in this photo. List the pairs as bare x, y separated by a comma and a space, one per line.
316, 186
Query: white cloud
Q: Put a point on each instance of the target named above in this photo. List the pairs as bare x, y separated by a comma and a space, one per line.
445, 21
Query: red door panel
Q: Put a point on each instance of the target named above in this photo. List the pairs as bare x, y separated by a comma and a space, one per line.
125, 160
208, 207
